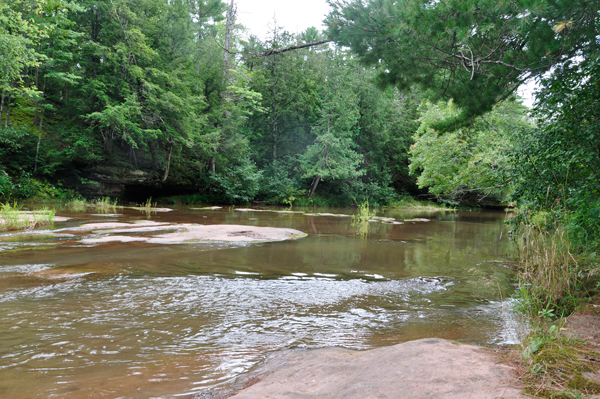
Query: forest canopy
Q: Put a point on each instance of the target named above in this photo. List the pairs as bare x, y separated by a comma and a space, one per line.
139, 98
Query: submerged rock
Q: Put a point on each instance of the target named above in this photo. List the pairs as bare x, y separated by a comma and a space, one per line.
150, 209
188, 232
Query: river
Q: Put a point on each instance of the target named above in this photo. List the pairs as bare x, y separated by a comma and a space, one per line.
139, 320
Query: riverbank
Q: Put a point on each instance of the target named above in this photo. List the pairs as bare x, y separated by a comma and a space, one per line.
561, 359
423, 368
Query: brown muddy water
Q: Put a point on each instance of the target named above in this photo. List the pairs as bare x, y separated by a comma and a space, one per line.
139, 320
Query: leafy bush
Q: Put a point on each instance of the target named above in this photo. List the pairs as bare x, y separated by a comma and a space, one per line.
240, 182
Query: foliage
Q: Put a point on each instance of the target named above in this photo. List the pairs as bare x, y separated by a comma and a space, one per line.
558, 161
470, 164
474, 51
105, 203
240, 181
364, 213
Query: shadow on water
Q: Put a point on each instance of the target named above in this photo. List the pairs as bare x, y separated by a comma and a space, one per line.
136, 320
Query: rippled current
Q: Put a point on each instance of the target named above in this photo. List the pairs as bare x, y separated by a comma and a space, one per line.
138, 320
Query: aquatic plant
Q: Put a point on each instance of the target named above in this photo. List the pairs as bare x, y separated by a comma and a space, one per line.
106, 203
148, 203
364, 213
77, 204
12, 218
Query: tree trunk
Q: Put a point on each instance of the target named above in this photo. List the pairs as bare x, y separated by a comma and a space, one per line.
153, 154
168, 164
132, 150
2, 104
7, 111
37, 83
318, 178
228, 27
37, 149
212, 165
37, 86
313, 188
275, 136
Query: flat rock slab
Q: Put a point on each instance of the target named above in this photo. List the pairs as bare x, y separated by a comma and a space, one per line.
187, 232
427, 368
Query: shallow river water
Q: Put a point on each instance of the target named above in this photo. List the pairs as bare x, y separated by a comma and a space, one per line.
139, 320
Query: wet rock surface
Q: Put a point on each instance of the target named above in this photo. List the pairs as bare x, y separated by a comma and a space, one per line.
426, 368
179, 233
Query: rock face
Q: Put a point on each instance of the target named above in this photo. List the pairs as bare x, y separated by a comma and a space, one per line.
115, 181
427, 368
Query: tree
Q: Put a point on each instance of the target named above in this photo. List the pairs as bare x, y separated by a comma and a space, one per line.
558, 162
333, 155
476, 52
467, 165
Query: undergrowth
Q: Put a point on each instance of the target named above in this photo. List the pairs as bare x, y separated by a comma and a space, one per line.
557, 276
558, 366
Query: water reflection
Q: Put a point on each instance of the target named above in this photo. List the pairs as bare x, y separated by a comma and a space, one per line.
137, 320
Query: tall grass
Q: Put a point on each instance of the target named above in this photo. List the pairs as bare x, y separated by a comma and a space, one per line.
555, 278
78, 204
549, 278
12, 218
105, 203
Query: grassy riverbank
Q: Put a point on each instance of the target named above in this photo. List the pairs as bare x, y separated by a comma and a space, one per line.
558, 283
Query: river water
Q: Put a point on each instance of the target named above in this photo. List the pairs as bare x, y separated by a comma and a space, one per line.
139, 320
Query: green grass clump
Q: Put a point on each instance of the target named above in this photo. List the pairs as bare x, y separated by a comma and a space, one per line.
105, 203
149, 204
550, 278
12, 218
365, 213
78, 204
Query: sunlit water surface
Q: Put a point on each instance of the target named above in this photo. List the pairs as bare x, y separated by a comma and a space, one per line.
135, 320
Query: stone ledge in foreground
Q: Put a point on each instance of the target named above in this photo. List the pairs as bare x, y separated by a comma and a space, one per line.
427, 368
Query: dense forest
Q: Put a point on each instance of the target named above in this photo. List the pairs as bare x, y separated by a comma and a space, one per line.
140, 98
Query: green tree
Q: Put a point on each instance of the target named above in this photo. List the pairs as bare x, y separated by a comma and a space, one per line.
476, 52
333, 155
468, 165
557, 163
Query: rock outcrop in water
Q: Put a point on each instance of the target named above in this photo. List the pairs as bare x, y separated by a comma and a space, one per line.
180, 233
426, 368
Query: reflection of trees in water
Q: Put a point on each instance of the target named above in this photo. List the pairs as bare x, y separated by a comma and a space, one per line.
471, 252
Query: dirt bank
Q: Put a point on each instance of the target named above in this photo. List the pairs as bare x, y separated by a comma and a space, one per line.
427, 368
